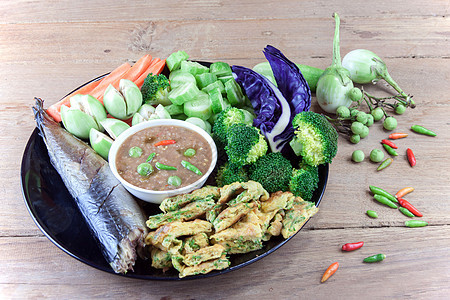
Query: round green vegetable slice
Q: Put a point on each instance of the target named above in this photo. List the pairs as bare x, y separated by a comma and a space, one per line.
200, 123
217, 103
179, 78
199, 107
234, 93
184, 93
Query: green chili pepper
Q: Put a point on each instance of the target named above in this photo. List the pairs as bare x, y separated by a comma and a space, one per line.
189, 152
415, 223
161, 166
379, 191
390, 150
372, 214
135, 152
174, 180
384, 200
385, 164
406, 212
422, 130
375, 258
191, 167
145, 169
150, 157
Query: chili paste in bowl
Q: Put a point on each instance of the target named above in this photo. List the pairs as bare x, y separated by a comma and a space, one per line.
161, 158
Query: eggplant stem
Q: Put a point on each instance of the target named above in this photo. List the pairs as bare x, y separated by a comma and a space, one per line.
336, 46
382, 72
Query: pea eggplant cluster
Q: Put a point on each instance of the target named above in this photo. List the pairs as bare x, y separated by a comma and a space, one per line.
377, 155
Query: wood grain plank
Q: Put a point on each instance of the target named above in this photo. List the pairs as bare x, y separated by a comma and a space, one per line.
206, 39
49, 47
298, 265
13, 12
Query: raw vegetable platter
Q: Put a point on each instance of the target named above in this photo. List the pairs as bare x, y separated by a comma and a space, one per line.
58, 217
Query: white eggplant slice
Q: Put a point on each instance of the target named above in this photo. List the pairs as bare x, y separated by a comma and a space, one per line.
100, 142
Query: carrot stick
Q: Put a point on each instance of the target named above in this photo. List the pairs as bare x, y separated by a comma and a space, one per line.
144, 75
54, 109
133, 73
111, 77
154, 61
155, 68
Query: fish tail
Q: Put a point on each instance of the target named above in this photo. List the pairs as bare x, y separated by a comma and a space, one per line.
43, 120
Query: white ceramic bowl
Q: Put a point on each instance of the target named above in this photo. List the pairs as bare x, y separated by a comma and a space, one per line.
158, 196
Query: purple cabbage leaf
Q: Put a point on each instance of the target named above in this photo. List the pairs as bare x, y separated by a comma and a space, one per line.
275, 107
289, 79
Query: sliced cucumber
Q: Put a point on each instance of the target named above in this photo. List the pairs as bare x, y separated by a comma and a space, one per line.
174, 60
200, 107
224, 79
234, 93
200, 123
180, 117
217, 103
174, 109
226, 103
181, 78
213, 118
248, 116
205, 79
193, 67
220, 69
184, 93
216, 84
175, 73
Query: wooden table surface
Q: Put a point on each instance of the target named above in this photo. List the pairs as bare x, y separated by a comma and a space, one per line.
47, 48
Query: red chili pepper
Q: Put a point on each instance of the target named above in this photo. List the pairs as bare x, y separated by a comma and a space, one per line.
397, 135
411, 157
164, 143
352, 246
409, 207
389, 143
330, 271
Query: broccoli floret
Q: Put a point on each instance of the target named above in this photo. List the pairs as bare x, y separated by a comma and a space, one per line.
225, 119
229, 173
304, 181
155, 89
315, 138
245, 144
273, 171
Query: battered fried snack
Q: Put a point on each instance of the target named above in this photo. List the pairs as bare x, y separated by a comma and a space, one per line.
191, 211
236, 218
176, 202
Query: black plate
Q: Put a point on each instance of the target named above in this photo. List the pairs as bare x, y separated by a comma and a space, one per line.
56, 214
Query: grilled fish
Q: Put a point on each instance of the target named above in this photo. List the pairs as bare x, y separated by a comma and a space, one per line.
113, 215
